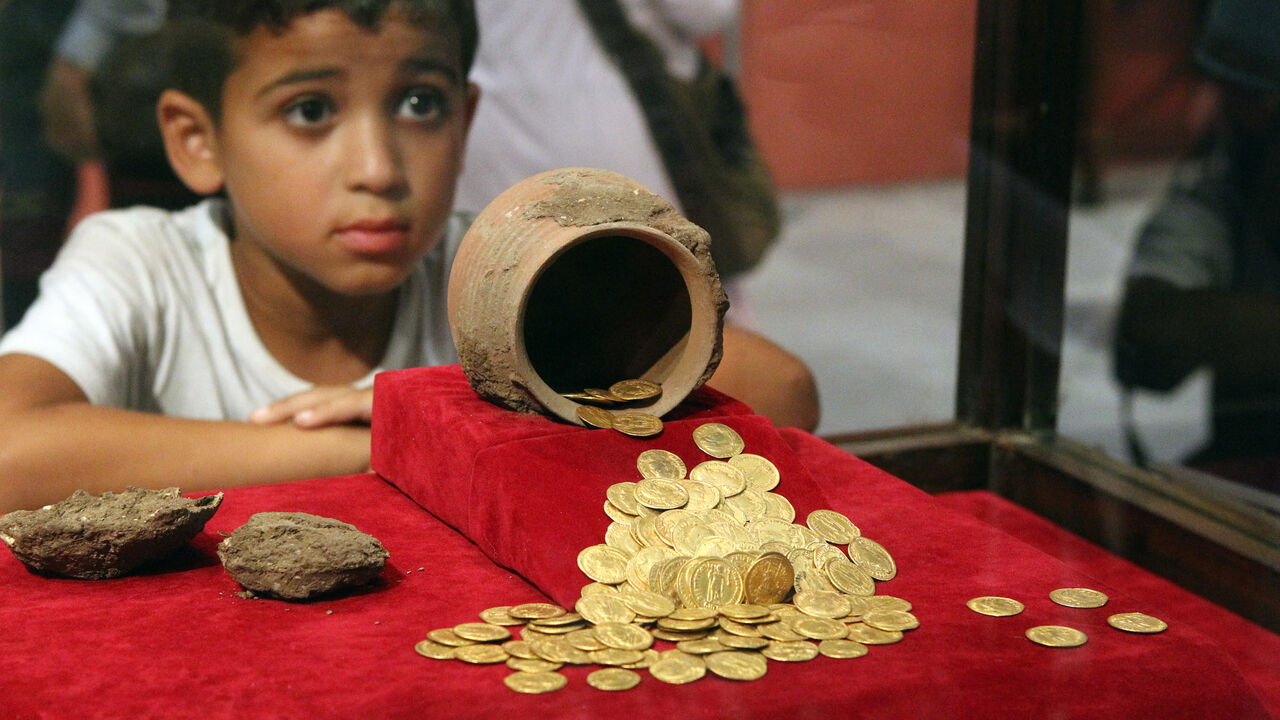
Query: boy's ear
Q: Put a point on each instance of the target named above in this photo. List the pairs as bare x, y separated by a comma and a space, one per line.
473, 99
190, 141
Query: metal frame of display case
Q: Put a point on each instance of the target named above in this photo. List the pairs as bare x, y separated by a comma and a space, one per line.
1004, 439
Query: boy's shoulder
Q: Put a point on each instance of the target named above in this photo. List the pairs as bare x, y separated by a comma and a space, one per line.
149, 232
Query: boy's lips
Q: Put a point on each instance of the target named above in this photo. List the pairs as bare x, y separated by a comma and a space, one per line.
374, 237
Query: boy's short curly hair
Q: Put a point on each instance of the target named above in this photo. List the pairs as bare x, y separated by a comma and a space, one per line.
205, 33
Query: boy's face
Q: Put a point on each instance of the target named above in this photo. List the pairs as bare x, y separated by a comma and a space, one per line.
339, 146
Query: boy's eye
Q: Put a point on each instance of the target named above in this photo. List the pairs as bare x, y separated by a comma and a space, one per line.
422, 104
308, 111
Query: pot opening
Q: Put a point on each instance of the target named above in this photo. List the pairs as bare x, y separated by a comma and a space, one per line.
610, 308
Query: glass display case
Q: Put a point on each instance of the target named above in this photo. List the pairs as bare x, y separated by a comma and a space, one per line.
966, 183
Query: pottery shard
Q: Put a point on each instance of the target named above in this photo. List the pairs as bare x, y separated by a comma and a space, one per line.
295, 556
98, 537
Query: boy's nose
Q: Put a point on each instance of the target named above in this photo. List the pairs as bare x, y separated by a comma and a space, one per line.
374, 161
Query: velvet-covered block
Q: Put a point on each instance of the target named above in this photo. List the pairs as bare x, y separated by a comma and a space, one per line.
528, 490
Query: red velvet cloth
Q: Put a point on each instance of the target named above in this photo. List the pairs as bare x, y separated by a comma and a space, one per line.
179, 642
1254, 650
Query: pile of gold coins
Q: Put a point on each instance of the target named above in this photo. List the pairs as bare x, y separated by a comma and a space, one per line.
623, 393
709, 560
1062, 636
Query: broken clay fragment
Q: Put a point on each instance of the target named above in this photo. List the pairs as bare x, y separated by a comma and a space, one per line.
105, 536
295, 556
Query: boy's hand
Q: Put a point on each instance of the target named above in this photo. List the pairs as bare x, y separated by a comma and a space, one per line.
321, 406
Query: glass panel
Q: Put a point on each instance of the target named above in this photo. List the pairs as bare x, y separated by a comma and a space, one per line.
862, 110
1172, 342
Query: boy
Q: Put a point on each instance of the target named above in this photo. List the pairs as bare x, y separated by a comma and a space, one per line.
335, 130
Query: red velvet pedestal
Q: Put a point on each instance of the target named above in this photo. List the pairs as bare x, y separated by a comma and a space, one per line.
179, 642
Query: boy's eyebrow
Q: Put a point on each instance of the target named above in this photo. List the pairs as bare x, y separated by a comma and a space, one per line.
298, 76
431, 65
412, 65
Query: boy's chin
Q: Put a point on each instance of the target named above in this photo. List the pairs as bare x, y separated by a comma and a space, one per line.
369, 285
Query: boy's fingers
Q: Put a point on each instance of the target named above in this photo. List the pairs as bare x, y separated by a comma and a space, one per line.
339, 410
290, 407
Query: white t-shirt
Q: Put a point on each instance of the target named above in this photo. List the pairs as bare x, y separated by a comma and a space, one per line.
142, 310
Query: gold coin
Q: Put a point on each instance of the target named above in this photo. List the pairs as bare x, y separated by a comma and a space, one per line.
481, 654
842, 648
650, 657
661, 494
737, 665
740, 642
446, 636
519, 649
677, 636
887, 602
615, 657
1136, 622
872, 557
762, 475
867, 635
595, 588
891, 620
500, 615
637, 424
585, 640
599, 609
619, 536
595, 417
700, 646
995, 606
726, 478
743, 611
600, 396
832, 526
613, 679
434, 650
769, 579
822, 604
695, 612
535, 683
622, 636
817, 628
717, 440
632, 390
733, 627
660, 464
536, 611
702, 495
678, 668
747, 505
777, 506
1078, 597
647, 603
532, 665
623, 496
795, 651
711, 583
603, 564
780, 632
482, 632
616, 514
847, 577
1056, 636
563, 619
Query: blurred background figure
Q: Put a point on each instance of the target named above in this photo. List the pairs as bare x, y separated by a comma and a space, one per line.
49, 52
568, 83
1203, 287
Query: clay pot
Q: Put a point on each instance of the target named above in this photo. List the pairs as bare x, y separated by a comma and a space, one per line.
578, 278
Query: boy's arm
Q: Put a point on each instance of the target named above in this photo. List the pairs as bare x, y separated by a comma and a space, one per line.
771, 380
53, 442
